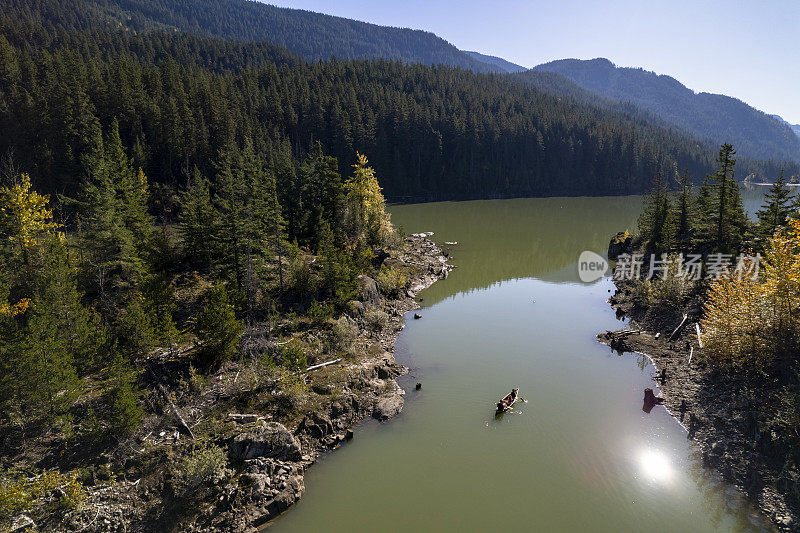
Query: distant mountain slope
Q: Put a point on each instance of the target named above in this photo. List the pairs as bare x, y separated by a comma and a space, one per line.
795, 127
711, 116
501, 64
314, 36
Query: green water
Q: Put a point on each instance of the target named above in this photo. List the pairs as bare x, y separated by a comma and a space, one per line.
579, 455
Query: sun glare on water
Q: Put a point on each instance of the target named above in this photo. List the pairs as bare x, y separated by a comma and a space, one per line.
655, 466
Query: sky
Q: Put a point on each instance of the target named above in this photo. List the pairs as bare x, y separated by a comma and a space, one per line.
746, 49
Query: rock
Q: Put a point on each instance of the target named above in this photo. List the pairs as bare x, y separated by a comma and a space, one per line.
259, 483
356, 308
323, 389
22, 523
417, 316
419, 386
368, 289
388, 407
348, 434
621, 243
270, 440
317, 425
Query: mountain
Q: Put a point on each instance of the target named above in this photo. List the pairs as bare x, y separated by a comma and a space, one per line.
715, 117
795, 127
314, 36
501, 64
180, 99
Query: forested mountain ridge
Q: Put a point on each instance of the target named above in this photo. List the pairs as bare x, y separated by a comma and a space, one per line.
795, 127
502, 64
718, 118
314, 36
431, 133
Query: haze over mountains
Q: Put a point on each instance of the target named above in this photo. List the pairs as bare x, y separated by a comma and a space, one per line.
795, 127
501, 64
707, 116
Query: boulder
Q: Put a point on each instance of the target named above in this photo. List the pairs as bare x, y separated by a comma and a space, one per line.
260, 484
368, 289
388, 406
270, 440
317, 425
621, 243
22, 523
355, 308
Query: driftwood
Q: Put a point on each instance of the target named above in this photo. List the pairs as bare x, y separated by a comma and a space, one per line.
172, 405
322, 365
678, 330
245, 418
699, 340
623, 333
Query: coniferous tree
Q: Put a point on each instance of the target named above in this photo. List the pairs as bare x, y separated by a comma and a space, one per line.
199, 221
727, 221
777, 208
125, 412
655, 222
684, 215
322, 193
117, 229
217, 328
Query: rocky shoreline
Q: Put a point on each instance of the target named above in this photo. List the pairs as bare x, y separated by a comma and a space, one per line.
266, 458
713, 407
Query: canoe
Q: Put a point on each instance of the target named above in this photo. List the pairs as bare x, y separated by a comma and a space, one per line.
508, 401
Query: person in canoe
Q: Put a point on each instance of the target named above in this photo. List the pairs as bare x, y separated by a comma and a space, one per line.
506, 403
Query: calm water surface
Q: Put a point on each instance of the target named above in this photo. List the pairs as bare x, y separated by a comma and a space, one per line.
579, 455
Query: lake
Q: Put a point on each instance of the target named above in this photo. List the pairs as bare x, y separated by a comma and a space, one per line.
578, 455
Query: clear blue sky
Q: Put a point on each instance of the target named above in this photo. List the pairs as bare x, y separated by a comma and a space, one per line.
746, 49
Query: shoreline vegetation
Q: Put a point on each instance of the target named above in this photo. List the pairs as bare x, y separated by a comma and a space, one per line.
159, 376
723, 339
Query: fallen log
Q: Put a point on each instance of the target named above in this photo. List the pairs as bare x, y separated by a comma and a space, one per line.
622, 333
245, 418
699, 339
322, 365
678, 330
172, 405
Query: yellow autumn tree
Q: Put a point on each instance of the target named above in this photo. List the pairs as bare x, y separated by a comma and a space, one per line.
24, 215
367, 219
757, 321
731, 321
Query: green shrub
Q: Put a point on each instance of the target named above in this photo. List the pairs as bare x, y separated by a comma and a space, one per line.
200, 467
217, 328
125, 412
375, 319
342, 336
293, 356
319, 313
393, 281
19, 493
